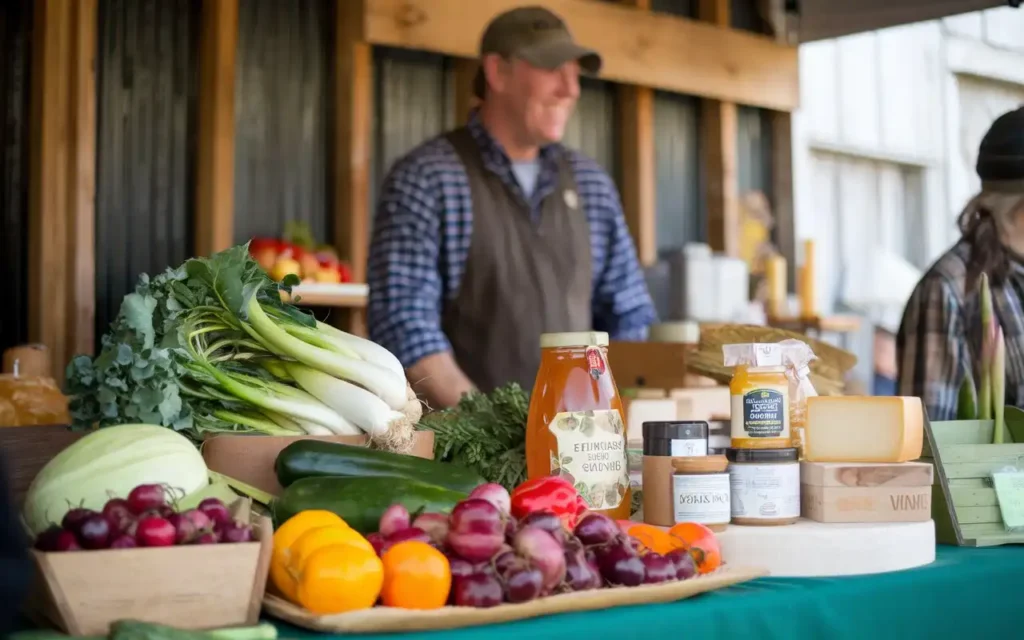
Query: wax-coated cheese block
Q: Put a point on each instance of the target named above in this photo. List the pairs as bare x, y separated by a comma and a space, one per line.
863, 429
867, 474
808, 549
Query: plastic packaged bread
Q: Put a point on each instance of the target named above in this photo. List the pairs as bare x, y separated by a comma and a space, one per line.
30, 401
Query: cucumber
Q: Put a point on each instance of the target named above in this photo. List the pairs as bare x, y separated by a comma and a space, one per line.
360, 502
314, 458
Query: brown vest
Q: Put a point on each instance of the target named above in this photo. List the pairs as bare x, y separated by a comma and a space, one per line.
521, 279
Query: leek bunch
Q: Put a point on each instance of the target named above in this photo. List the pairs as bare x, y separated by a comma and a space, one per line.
988, 401
210, 347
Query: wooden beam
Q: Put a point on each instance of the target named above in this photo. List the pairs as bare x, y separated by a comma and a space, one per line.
353, 85
719, 123
638, 47
215, 162
782, 191
62, 153
638, 182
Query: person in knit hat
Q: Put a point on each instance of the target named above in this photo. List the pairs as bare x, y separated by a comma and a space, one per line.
940, 336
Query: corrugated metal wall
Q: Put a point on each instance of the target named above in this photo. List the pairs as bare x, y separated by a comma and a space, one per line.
414, 100
146, 89
15, 30
282, 117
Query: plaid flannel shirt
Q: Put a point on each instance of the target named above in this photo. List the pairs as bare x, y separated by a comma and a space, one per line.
940, 336
422, 232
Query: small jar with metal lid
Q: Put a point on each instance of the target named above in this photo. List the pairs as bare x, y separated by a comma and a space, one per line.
765, 486
701, 492
676, 438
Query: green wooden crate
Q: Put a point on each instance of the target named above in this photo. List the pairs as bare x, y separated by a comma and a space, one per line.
964, 504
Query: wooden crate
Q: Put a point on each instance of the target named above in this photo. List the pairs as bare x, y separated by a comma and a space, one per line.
964, 504
189, 587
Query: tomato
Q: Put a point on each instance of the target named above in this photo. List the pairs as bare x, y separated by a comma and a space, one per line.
344, 272
416, 576
285, 537
700, 542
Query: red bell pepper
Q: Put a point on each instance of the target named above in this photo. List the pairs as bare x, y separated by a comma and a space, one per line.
550, 493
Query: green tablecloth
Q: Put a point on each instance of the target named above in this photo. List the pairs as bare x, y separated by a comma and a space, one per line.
968, 594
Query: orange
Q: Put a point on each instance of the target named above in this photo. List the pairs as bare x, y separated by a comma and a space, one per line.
339, 578
651, 538
416, 576
286, 535
700, 542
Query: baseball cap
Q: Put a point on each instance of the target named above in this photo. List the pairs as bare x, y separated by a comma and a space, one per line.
535, 35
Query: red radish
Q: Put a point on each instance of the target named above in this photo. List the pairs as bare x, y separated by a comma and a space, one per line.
658, 568
505, 561
235, 533
377, 541
118, 514
476, 530
683, 563
511, 527
541, 549
206, 538
394, 519
523, 584
435, 524
66, 541
620, 565
405, 535
580, 575
74, 518
94, 532
123, 542
145, 497
166, 511
460, 567
547, 521
184, 530
47, 540
199, 520
154, 531
595, 529
496, 495
476, 590
215, 510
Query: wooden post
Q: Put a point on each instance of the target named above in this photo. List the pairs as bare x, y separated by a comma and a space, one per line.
638, 182
353, 85
782, 191
215, 162
718, 143
62, 156
465, 99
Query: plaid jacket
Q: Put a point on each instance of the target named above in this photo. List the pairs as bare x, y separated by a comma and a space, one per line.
940, 335
423, 228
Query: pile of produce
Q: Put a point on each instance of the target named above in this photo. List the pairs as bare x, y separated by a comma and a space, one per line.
210, 347
298, 255
490, 548
146, 518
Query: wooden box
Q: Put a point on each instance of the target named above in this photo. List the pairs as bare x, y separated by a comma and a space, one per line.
250, 459
189, 587
964, 504
26, 450
852, 492
654, 365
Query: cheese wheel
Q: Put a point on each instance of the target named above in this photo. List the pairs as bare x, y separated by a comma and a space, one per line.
863, 429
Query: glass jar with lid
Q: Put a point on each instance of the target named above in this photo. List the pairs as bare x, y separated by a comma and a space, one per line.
576, 428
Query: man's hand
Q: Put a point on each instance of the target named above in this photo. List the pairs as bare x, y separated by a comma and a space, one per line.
440, 380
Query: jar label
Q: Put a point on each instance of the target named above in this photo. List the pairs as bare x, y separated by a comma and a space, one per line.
689, 448
701, 498
595, 362
592, 455
766, 491
765, 414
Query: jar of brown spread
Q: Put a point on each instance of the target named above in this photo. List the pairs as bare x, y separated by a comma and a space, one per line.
765, 486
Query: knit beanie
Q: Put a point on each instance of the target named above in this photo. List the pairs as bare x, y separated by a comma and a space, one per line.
1001, 155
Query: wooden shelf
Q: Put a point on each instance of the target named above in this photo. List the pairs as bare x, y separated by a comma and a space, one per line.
347, 295
832, 324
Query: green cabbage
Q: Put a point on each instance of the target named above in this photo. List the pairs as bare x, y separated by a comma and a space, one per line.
110, 463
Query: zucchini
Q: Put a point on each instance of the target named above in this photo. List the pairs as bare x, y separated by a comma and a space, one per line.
315, 458
360, 502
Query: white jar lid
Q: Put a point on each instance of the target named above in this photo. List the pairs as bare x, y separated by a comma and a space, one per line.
574, 339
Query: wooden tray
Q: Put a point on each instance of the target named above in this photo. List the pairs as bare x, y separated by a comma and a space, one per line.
390, 620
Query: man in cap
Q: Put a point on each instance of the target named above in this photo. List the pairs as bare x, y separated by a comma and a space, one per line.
492, 234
